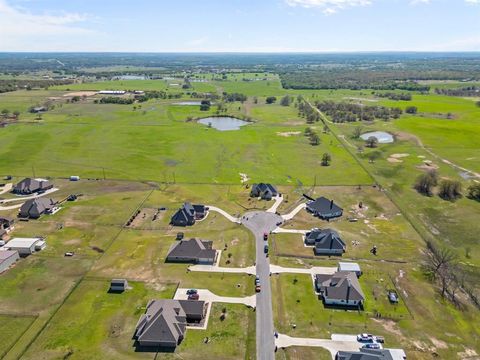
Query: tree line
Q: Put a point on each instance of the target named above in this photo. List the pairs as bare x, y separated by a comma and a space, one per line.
394, 96
468, 91
341, 112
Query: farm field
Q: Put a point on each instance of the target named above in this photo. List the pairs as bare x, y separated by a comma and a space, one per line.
143, 157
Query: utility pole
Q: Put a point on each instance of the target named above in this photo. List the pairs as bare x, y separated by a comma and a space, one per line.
33, 171
104, 177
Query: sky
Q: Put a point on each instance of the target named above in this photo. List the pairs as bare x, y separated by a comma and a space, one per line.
239, 25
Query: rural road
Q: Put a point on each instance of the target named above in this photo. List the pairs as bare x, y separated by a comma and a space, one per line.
259, 223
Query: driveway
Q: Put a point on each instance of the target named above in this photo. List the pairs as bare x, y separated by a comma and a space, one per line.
6, 188
208, 296
294, 212
224, 213
278, 201
24, 198
332, 345
259, 223
212, 268
279, 230
275, 269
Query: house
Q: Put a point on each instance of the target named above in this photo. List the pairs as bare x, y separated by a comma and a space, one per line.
192, 251
325, 209
7, 259
188, 214
38, 109
29, 186
340, 289
26, 246
372, 354
325, 242
112, 92
165, 322
6, 225
118, 285
34, 208
263, 191
350, 266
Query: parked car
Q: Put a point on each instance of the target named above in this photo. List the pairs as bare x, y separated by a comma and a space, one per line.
258, 288
180, 236
380, 339
392, 296
69, 253
192, 291
372, 346
193, 296
365, 338
265, 249
265, 236
2, 243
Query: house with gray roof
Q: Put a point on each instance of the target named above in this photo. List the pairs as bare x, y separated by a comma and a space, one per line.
29, 186
371, 354
165, 321
194, 251
324, 208
340, 289
188, 214
7, 259
34, 208
6, 225
325, 242
263, 191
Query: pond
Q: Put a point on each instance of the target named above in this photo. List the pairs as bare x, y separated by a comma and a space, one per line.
382, 136
223, 123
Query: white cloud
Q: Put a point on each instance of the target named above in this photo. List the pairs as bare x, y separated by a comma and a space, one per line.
329, 6
19, 26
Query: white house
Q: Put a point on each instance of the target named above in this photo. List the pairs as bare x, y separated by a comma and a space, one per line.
350, 266
26, 246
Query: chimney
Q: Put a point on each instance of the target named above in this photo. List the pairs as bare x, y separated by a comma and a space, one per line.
331, 204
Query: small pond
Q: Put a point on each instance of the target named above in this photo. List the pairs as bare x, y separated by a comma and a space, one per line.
382, 136
223, 123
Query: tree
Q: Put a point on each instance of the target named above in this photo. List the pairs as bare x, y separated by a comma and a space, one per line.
371, 142
205, 105
16, 113
411, 110
314, 139
5, 112
426, 182
308, 131
286, 100
326, 159
474, 192
270, 99
357, 131
478, 103
450, 189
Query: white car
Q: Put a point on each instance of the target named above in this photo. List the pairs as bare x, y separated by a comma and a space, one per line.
365, 338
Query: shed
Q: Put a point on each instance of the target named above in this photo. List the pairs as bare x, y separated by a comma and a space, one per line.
7, 259
118, 285
350, 266
26, 246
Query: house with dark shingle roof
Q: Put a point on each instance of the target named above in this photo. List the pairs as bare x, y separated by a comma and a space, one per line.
324, 208
165, 321
188, 214
371, 354
340, 289
263, 191
6, 225
194, 251
34, 208
325, 242
29, 186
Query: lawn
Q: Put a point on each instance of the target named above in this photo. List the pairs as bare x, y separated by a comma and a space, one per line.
11, 328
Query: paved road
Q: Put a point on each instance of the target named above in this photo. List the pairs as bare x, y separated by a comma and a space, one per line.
259, 223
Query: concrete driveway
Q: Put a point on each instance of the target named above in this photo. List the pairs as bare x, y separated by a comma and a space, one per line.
278, 201
275, 269
212, 268
294, 212
280, 230
224, 213
208, 296
6, 188
24, 198
332, 345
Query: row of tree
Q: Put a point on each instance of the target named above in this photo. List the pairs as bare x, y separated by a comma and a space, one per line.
341, 112
466, 91
447, 189
307, 111
232, 97
114, 100
394, 96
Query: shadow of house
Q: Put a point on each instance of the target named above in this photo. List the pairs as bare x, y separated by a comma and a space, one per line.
29, 186
325, 242
340, 290
162, 328
263, 191
34, 208
324, 208
188, 214
194, 251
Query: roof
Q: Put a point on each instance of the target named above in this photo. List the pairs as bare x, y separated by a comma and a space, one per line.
29, 184
38, 205
165, 320
366, 354
262, 187
324, 205
6, 254
22, 242
349, 266
343, 285
192, 308
326, 239
193, 248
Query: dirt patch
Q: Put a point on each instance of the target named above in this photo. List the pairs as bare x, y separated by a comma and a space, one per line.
399, 156
234, 242
394, 160
391, 327
428, 165
80, 93
468, 354
439, 344
73, 242
403, 136
289, 133
243, 178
